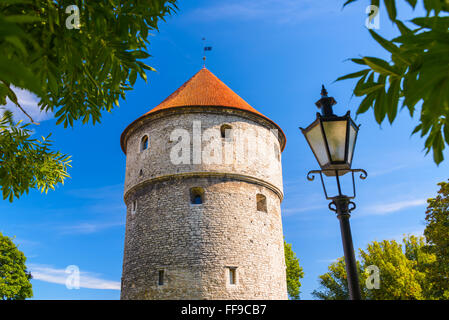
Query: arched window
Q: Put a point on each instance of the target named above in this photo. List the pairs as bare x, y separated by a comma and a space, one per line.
144, 143
261, 202
196, 195
225, 131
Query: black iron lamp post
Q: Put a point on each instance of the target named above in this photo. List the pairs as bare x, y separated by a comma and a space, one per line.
332, 140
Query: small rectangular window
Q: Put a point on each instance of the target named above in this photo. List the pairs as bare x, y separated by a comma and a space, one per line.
196, 195
261, 202
161, 278
232, 275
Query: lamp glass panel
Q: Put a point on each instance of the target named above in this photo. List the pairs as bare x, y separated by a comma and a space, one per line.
352, 136
335, 132
316, 140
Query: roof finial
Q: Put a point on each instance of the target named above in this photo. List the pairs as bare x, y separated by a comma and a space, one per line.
204, 52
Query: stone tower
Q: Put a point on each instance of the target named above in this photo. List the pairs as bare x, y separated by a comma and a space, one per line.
201, 224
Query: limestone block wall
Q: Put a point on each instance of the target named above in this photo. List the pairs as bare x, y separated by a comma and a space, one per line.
155, 161
196, 244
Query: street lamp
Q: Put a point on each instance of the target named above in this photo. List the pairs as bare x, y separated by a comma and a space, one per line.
332, 140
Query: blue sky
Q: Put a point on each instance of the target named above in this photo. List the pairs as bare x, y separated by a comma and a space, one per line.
275, 55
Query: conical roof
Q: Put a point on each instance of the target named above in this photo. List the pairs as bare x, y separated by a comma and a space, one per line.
203, 89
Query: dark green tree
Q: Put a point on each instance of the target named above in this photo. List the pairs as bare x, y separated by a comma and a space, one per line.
294, 272
14, 278
437, 236
417, 72
77, 70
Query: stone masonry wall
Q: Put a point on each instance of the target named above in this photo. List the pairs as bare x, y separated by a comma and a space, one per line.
155, 161
195, 245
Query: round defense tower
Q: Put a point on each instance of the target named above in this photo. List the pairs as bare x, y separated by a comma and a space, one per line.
203, 189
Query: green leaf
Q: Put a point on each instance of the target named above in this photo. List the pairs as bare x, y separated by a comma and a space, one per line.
380, 66
391, 9
392, 99
402, 28
412, 3
380, 109
438, 146
348, 2
366, 103
369, 88
417, 128
354, 75
446, 131
358, 61
390, 46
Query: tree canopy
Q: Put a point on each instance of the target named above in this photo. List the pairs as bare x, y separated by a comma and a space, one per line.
14, 278
77, 70
417, 269
294, 272
400, 278
437, 235
417, 72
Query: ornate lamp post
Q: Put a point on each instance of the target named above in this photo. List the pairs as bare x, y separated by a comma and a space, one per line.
332, 140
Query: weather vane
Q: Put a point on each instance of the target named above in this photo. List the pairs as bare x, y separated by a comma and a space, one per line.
205, 48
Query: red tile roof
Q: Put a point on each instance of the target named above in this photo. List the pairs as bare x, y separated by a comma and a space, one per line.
205, 89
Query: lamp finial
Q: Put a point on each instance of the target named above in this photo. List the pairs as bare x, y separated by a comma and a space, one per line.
325, 103
323, 91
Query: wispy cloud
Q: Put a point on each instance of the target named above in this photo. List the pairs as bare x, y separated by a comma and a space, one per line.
99, 193
387, 208
88, 227
29, 102
293, 211
88, 280
384, 171
275, 11
327, 260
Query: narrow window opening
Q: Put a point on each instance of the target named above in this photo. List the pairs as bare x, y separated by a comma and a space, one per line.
196, 195
144, 143
226, 131
161, 278
134, 207
277, 153
232, 275
261, 202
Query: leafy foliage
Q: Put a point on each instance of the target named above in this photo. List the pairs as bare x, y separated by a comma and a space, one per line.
76, 73
294, 272
399, 277
417, 72
14, 277
401, 272
417, 270
27, 163
436, 233
334, 283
